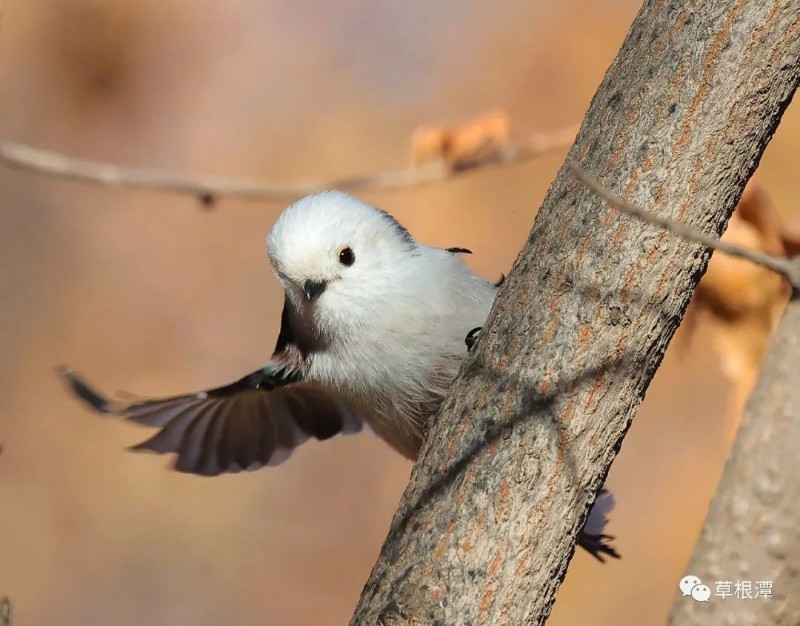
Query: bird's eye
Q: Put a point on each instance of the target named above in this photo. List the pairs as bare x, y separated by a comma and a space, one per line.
346, 256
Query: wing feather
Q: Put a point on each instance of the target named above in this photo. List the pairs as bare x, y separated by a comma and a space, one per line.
256, 421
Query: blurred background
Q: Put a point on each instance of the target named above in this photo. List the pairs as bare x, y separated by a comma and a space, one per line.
150, 293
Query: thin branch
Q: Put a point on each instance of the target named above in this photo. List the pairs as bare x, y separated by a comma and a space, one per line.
786, 268
208, 188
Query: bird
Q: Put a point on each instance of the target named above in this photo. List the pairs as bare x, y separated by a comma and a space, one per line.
374, 329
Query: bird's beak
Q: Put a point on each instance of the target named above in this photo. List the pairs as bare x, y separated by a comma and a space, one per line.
312, 288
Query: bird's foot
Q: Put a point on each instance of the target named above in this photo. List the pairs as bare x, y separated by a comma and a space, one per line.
599, 546
472, 337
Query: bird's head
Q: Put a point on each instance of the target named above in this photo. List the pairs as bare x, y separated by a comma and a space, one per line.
337, 256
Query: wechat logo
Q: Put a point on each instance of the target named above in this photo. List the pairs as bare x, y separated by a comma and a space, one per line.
693, 586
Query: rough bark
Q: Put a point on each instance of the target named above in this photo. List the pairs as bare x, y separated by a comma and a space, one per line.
487, 526
752, 531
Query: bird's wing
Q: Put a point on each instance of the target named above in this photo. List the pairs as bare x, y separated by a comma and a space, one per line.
258, 420
242, 426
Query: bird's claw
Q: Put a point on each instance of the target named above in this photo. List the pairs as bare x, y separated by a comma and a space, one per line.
599, 546
472, 337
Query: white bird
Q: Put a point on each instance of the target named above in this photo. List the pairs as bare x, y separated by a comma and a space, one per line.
373, 332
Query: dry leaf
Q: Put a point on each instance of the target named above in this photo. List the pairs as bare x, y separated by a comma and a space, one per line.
462, 145
740, 301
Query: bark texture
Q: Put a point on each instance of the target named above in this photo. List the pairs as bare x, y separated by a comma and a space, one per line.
487, 526
752, 531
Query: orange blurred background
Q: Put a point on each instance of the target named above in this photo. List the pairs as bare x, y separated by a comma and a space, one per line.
149, 293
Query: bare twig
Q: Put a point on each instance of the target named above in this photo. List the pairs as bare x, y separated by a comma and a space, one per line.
208, 188
786, 268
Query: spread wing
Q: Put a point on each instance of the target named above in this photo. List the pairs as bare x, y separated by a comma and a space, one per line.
242, 426
256, 421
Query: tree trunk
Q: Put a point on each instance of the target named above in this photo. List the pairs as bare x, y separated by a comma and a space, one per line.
487, 526
752, 532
